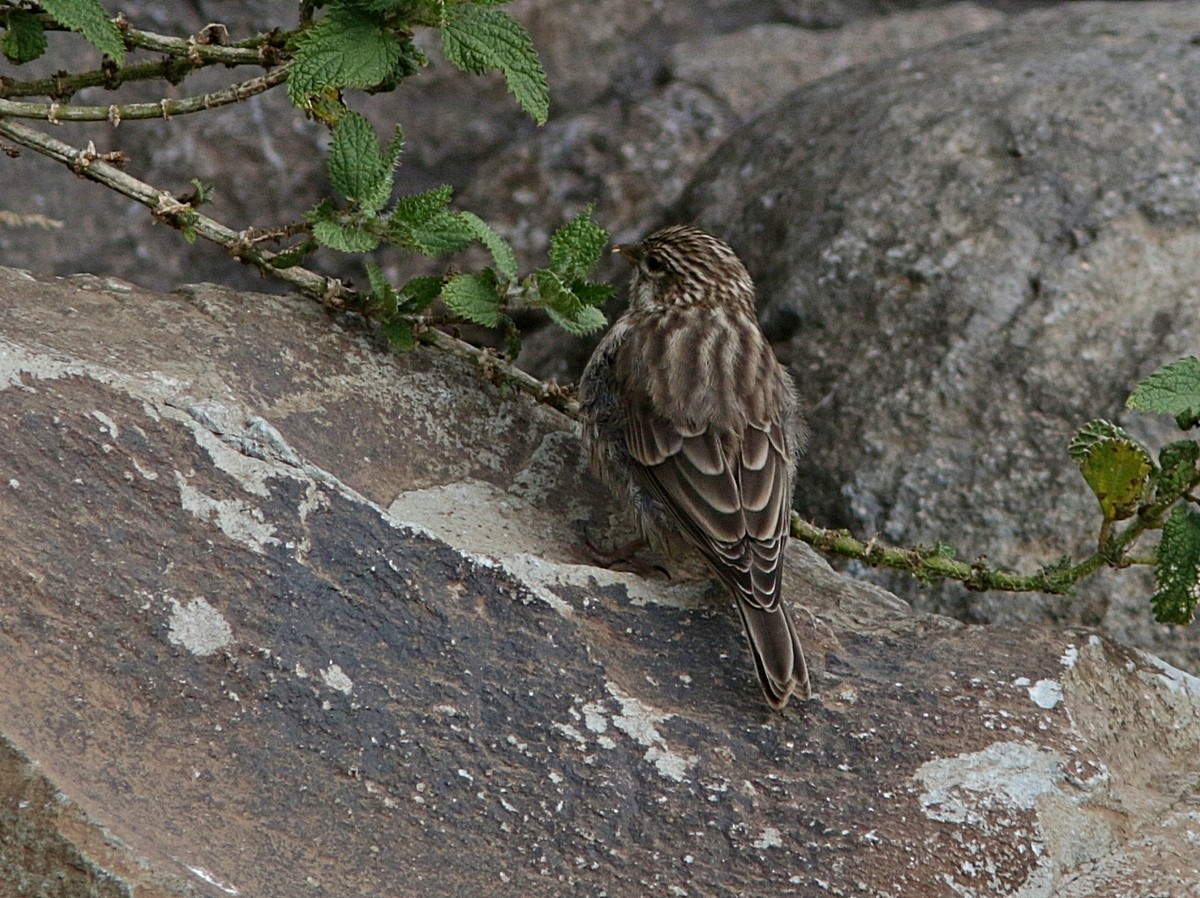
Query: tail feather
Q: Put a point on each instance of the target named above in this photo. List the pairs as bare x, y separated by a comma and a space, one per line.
778, 655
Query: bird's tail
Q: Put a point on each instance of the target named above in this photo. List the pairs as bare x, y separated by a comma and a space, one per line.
778, 655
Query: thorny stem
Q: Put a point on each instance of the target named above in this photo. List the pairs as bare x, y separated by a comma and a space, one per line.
116, 113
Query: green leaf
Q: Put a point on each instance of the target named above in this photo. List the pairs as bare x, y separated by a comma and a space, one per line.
417, 294
384, 298
87, 17
346, 237
592, 294
575, 248
502, 252
1117, 471
474, 297
357, 168
399, 332
1092, 433
587, 320
1177, 467
347, 48
565, 307
1173, 390
25, 39
480, 38
1177, 568
421, 207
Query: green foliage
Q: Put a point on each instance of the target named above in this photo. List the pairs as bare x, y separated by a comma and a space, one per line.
1177, 568
1173, 390
347, 232
1177, 467
24, 40
87, 17
358, 169
1115, 466
571, 301
478, 37
349, 47
1092, 434
474, 297
575, 248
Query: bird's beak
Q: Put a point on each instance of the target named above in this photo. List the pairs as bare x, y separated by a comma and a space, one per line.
629, 253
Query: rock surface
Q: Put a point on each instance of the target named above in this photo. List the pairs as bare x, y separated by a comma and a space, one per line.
967, 254
287, 616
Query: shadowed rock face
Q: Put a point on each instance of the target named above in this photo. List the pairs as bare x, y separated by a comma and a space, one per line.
286, 615
967, 254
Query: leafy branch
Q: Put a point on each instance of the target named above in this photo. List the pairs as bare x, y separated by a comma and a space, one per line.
337, 45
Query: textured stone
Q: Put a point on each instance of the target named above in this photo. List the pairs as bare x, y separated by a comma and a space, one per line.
289, 616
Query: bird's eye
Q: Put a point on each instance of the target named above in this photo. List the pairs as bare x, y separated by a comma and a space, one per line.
654, 265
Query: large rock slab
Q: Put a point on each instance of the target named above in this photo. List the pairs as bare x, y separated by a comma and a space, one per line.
284, 615
966, 254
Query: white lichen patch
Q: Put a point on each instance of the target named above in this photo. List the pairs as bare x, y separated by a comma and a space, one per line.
1173, 678
1046, 693
335, 678
770, 838
234, 518
975, 787
110, 426
198, 627
638, 721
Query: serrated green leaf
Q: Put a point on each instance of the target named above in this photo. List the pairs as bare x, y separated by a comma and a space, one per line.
1117, 471
87, 17
399, 332
554, 295
347, 48
575, 248
1177, 568
346, 237
357, 168
502, 252
1177, 467
587, 320
1090, 434
480, 38
1174, 390
446, 232
24, 39
565, 307
384, 299
420, 207
417, 294
592, 294
473, 297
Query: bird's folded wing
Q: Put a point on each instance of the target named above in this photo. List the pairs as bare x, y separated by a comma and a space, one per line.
730, 499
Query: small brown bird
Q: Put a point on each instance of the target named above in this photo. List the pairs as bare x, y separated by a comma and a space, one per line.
688, 412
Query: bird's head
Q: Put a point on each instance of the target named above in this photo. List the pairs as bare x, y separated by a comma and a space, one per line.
683, 266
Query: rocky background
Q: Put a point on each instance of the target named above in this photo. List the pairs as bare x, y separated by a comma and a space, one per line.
241, 654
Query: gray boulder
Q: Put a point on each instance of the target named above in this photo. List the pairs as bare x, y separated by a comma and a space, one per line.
966, 254
284, 615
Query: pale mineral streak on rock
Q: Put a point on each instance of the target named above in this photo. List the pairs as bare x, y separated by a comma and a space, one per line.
198, 627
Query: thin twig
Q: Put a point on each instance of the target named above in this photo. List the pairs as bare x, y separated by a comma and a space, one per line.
331, 292
116, 113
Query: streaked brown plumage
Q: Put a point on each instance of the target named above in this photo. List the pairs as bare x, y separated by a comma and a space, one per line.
687, 411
